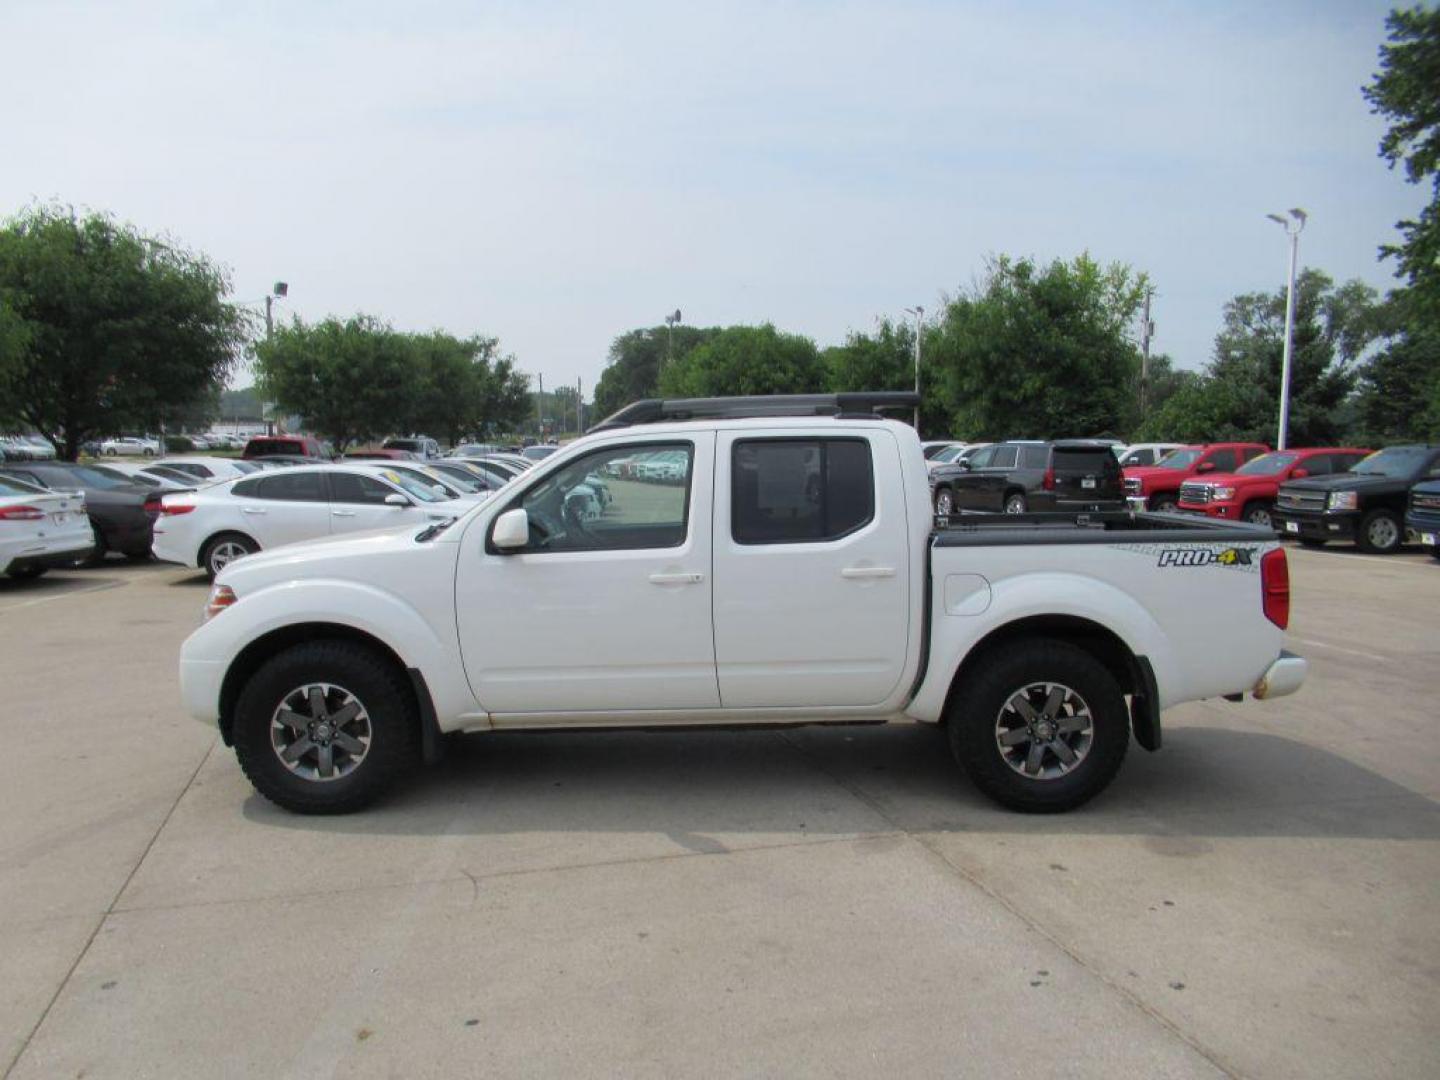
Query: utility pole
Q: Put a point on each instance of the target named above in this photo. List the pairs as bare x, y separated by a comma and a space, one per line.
539, 406
1147, 328
1293, 229
280, 289
670, 323
579, 407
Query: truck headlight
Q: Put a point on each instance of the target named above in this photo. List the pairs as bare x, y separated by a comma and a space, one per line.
1344, 500
1222, 494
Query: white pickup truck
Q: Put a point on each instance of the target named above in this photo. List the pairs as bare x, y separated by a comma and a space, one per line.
783, 568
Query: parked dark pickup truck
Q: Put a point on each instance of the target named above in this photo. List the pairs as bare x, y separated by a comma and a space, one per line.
1019, 477
1366, 505
1422, 516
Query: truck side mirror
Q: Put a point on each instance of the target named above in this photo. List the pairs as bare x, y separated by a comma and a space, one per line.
512, 530
1299, 474
1205, 466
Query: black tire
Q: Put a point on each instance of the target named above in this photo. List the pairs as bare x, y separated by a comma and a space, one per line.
102, 547
219, 550
1257, 513
1433, 552
975, 713
1311, 542
1015, 503
944, 501
27, 573
393, 724
1163, 504
1380, 533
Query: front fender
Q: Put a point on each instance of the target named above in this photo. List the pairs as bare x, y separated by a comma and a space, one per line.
1037, 594
209, 652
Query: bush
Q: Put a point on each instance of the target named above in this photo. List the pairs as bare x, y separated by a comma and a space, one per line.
178, 444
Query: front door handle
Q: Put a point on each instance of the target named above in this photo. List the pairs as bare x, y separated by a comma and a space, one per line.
252, 510
343, 513
867, 571
683, 577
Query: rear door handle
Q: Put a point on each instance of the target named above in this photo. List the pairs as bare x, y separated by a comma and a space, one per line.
251, 510
684, 577
343, 513
867, 571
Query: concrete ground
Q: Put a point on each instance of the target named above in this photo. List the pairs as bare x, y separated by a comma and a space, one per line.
1261, 898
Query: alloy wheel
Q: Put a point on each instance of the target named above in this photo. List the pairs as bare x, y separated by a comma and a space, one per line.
320, 732
1384, 534
1044, 731
226, 552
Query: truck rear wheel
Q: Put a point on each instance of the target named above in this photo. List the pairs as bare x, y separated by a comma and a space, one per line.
324, 727
1040, 726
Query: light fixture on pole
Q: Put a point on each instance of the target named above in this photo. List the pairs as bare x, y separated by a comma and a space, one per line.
671, 321
919, 313
1293, 228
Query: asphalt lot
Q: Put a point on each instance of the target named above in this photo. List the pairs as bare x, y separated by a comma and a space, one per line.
1261, 898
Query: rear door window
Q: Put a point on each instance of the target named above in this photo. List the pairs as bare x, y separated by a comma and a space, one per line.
359, 490
294, 486
1034, 457
795, 491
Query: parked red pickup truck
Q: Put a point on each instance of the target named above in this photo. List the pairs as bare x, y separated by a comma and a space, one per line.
1157, 487
1248, 494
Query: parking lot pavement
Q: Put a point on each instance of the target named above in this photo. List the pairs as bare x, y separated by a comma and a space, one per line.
1258, 899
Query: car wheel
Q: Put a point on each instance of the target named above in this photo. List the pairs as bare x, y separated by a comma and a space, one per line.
1040, 726
26, 573
224, 549
324, 727
1015, 503
1257, 513
944, 502
111, 453
1380, 533
1163, 504
96, 556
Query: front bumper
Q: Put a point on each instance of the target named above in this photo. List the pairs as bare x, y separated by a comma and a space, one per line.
1284, 676
1426, 526
1339, 525
1228, 511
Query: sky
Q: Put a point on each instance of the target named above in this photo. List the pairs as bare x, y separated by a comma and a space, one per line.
556, 174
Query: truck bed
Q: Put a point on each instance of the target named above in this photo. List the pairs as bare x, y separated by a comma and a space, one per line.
1105, 527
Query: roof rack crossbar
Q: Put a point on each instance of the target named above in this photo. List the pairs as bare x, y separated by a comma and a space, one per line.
851, 404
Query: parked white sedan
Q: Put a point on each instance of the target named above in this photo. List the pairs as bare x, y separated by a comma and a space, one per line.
218, 524
130, 446
40, 529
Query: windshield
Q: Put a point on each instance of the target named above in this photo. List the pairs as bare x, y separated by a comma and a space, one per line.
138, 478
1394, 461
414, 486
10, 486
86, 476
1267, 465
448, 476
949, 453
1179, 459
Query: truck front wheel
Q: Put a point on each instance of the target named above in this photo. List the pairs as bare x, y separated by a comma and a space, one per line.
324, 727
1040, 726
1380, 532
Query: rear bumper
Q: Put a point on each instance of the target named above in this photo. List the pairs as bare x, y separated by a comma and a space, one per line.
50, 560
1284, 676
1337, 526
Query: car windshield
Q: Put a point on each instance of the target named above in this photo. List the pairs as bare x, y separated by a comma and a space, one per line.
1394, 461
137, 478
1179, 459
949, 453
415, 486
1267, 465
83, 475
455, 477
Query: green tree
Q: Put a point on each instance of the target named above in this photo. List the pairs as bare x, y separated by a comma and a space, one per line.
1406, 91
632, 369
457, 392
106, 329
885, 360
742, 360
1399, 397
504, 398
1238, 397
1040, 352
348, 381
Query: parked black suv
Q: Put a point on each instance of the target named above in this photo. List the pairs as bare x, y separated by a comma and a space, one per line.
1366, 504
1423, 515
1021, 477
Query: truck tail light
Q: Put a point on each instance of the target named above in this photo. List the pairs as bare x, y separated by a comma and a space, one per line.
21, 513
1049, 481
1275, 587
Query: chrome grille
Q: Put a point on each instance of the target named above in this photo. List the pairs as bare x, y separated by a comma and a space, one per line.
1301, 500
1195, 493
1425, 502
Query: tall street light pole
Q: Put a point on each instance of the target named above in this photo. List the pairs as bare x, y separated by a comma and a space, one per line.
670, 323
279, 291
919, 313
1293, 228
